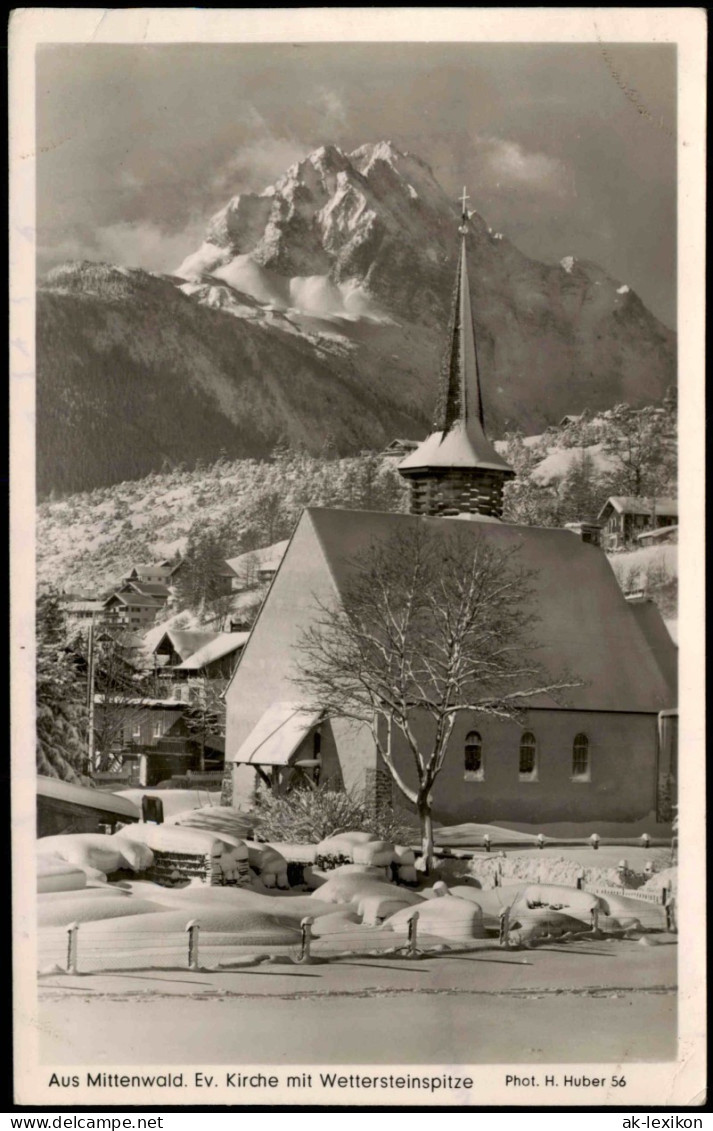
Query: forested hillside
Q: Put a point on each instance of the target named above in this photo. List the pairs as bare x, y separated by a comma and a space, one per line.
86, 541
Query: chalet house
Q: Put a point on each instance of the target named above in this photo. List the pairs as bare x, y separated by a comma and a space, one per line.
256, 567
176, 645
216, 659
602, 757
155, 734
624, 517
209, 655
160, 572
397, 449
79, 613
131, 610
155, 589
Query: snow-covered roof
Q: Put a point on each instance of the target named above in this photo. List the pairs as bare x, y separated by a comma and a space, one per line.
56, 790
267, 558
152, 567
146, 588
630, 504
184, 641
276, 735
221, 645
460, 446
135, 600
83, 606
140, 701
661, 535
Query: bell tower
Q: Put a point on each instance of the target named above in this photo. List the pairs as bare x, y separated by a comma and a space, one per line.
456, 470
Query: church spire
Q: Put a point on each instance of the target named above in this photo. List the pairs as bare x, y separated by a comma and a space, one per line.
456, 469
459, 395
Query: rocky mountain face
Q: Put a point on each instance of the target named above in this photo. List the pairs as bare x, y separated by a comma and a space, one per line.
317, 309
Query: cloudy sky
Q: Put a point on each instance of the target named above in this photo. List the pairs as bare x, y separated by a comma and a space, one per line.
567, 149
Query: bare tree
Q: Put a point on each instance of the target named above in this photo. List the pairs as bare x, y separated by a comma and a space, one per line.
206, 714
125, 686
428, 627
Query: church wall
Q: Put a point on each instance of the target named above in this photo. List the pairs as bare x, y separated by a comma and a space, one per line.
354, 751
622, 785
264, 674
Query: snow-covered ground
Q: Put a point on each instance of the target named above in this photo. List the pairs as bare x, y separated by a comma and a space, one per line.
559, 462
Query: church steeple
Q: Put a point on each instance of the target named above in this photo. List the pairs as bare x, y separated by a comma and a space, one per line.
456, 469
459, 394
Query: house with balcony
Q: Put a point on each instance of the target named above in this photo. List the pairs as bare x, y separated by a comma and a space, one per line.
624, 517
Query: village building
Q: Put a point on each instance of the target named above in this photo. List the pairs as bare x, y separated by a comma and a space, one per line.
397, 449
176, 645
602, 757
624, 517
155, 738
155, 589
161, 572
131, 610
181, 655
63, 807
80, 612
216, 659
256, 567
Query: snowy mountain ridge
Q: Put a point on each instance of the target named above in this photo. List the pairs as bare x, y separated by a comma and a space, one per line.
317, 307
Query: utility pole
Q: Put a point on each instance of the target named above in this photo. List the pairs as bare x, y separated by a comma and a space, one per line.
90, 693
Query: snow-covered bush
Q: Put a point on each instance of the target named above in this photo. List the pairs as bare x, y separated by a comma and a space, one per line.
309, 816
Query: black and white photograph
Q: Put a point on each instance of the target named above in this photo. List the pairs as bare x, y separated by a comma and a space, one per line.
356, 386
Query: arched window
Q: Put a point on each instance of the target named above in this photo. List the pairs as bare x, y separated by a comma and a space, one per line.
580, 756
528, 756
473, 755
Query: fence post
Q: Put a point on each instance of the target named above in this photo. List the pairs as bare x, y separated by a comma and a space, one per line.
621, 869
306, 927
72, 931
193, 929
412, 934
504, 937
670, 910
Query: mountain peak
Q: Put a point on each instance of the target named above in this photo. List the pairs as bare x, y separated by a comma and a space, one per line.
321, 305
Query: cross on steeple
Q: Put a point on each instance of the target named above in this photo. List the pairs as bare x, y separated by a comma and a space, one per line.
464, 214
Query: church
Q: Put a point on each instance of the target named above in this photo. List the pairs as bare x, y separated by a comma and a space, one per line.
604, 759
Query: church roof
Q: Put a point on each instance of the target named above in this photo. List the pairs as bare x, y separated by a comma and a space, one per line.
460, 446
584, 626
459, 438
